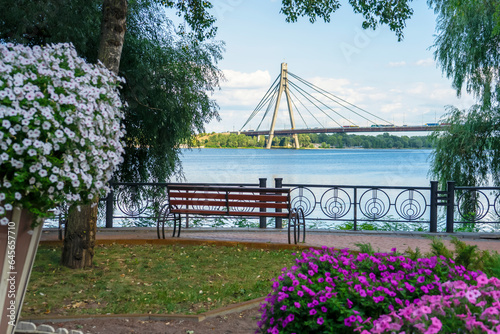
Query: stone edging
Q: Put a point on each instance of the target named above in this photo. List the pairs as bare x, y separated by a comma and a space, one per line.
28, 326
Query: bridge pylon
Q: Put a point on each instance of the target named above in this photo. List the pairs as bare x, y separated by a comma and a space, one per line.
283, 87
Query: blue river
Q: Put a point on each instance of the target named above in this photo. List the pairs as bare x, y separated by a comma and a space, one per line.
374, 167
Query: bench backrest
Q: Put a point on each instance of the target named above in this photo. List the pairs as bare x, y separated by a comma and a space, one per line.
231, 201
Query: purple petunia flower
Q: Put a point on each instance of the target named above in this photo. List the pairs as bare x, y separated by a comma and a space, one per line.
320, 321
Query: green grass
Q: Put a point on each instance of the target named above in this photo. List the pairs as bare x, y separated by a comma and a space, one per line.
154, 279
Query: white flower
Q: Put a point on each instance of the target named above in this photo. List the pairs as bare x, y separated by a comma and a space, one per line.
84, 98
46, 125
8, 206
59, 133
4, 221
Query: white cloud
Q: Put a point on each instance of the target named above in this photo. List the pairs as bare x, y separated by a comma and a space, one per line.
417, 88
397, 64
425, 62
237, 79
391, 107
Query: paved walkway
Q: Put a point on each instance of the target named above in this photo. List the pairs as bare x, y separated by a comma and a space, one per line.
383, 241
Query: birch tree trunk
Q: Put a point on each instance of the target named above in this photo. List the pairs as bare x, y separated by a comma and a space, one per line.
79, 240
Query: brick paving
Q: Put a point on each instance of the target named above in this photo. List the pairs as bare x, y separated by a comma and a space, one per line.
382, 241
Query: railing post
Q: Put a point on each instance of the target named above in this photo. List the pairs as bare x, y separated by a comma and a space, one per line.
278, 183
263, 220
110, 206
450, 208
355, 226
433, 207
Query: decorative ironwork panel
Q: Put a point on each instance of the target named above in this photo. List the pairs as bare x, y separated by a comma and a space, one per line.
410, 204
335, 203
374, 203
496, 205
304, 199
473, 205
136, 201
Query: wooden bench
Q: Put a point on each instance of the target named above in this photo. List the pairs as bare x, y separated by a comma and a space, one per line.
202, 200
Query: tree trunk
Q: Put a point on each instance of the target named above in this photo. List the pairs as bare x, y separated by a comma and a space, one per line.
79, 237
79, 241
113, 25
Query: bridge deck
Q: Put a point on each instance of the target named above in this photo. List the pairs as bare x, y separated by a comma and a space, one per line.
342, 130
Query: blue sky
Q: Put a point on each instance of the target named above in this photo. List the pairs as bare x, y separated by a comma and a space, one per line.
398, 81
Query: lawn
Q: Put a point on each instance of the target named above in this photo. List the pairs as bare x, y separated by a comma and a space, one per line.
155, 279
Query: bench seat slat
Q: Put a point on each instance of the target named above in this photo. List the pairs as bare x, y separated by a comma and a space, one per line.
231, 213
231, 204
211, 195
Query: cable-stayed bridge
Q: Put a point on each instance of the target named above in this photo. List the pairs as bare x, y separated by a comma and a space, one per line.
299, 92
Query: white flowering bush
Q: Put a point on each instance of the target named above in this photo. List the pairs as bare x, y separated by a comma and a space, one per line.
60, 128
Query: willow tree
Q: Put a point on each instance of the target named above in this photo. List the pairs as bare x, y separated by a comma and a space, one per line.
467, 48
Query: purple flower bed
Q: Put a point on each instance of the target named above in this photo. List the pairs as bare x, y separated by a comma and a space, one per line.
330, 291
461, 308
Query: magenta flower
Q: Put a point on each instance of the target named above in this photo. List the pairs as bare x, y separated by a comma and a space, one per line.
349, 303
320, 321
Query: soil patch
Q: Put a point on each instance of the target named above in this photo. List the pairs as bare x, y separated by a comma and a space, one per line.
244, 322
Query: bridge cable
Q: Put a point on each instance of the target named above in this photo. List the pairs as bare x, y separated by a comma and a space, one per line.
262, 102
271, 89
269, 106
297, 110
322, 91
301, 92
300, 89
310, 113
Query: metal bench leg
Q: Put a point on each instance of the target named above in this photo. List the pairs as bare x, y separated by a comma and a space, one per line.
295, 224
289, 227
175, 227
179, 233
301, 220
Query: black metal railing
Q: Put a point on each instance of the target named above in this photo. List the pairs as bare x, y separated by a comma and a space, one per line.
427, 207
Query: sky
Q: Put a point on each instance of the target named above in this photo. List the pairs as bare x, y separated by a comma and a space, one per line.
396, 81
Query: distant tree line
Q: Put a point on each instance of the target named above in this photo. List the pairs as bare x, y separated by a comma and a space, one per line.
337, 140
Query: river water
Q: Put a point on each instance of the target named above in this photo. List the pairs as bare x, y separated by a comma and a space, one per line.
374, 167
